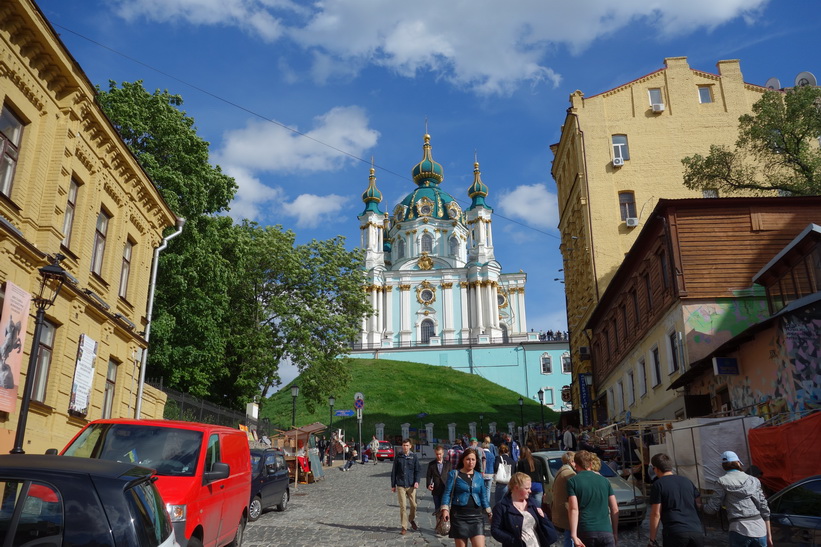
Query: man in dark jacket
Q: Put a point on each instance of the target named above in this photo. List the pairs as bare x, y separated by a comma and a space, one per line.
436, 477
404, 481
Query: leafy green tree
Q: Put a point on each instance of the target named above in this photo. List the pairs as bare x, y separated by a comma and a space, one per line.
777, 149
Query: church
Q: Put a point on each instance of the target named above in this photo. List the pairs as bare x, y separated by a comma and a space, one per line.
439, 295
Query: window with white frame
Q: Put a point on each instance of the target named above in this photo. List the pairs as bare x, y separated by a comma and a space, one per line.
110, 385
125, 271
11, 131
100, 234
627, 205
68, 217
45, 349
567, 367
655, 95
427, 243
620, 149
400, 249
656, 364
547, 363
548, 396
428, 330
705, 93
673, 352
642, 370
631, 388
454, 246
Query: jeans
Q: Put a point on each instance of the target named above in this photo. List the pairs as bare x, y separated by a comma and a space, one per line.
683, 539
737, 540
597, 539
406, 496
566, 541
488, 483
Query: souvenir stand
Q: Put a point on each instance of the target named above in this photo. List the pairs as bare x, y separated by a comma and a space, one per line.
301, 455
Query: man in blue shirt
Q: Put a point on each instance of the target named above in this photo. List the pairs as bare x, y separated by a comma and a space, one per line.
405, 481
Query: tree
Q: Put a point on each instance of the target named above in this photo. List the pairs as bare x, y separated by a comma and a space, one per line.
777, 149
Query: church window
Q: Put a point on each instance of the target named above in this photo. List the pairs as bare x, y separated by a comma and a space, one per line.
400, 248
427, 330
427, 243
547, 363
454, 246
505, 337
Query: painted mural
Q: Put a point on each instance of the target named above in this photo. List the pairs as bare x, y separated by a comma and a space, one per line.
708, 325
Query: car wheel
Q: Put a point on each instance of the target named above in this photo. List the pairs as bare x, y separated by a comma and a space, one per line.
194, 542
255, 509
239, 535
283, 504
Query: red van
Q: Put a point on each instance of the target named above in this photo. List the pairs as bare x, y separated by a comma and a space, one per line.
204, 471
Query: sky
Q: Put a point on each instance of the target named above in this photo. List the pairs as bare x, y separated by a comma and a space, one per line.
297, 98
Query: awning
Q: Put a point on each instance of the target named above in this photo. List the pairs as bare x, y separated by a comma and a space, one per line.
305, 430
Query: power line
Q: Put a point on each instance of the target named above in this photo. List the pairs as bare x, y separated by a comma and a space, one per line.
269, 120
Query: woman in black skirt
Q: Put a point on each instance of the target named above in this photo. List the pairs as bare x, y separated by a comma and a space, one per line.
465, 500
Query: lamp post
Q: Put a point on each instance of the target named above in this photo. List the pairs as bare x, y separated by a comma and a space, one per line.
521, 416
541, 404
53, 277
331, 401
481, 427
294, 395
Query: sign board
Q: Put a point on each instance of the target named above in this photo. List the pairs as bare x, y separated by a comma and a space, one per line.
347, 413
422, 415
725, 365
359, 414
83, 376
13, 321
359, 404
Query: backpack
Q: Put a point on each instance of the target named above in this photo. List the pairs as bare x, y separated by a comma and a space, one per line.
504, 472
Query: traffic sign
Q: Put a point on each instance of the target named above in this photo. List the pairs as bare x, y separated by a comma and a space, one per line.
359, 403
359, 395
343, 412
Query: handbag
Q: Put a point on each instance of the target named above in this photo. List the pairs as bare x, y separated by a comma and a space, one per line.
504, 472
442, 525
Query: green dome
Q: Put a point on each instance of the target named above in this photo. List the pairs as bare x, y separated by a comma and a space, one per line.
372, 196
427, 171
477, 191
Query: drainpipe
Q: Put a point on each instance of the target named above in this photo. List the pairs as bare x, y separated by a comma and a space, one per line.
151, 286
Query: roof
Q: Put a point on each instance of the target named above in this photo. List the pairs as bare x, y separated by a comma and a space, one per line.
305, 430
811, 232
71, 465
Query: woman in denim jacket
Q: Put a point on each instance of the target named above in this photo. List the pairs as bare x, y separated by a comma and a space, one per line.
465, 495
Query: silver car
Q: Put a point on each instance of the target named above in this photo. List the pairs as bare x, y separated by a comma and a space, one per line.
632, 503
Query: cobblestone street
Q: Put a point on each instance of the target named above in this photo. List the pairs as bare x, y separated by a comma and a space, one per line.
357, 509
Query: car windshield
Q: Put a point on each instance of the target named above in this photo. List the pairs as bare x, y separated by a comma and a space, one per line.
169, 450
384, 445
556, 463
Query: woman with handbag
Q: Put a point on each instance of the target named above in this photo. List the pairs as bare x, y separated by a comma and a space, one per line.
506, 463
518, 521
464, 501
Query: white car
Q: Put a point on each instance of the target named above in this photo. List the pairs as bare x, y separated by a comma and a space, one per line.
632, 503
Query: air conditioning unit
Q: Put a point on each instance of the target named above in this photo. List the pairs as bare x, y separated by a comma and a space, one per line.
584, 353
618, 162
631, 222
658, 107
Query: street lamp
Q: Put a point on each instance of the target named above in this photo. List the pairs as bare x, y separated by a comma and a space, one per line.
481, 427
294, 395
521, 415
331, 401
53, 277
541, 403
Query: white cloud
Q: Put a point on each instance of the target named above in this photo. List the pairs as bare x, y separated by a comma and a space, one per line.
252, 195
311, 210
532, 204
476, 44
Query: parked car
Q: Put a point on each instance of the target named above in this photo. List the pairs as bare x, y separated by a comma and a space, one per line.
204, 471
54, 500
795, 513
384, 452
270, 485
632, 503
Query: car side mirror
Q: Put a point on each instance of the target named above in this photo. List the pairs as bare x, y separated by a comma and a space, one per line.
218, 471
52, 452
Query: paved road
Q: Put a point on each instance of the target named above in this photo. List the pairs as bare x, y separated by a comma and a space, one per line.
357, 509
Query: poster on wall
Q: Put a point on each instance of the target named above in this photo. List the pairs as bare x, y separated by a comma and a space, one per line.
83, 377
13, 322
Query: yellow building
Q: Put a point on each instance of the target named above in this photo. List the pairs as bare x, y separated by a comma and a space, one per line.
69, 185
619, 152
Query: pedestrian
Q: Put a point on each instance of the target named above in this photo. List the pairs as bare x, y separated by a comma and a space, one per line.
351, 460
504, 458
374, 446
480, 453
532, 467
747, 509
404, 482
674, 501
493, 447
455, 453
518, 521
436, 476
592, 508
514, 448
465, 494
569, 439
488, 469
558, 505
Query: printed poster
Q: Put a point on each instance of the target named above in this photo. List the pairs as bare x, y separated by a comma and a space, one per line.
13, 322
83, 376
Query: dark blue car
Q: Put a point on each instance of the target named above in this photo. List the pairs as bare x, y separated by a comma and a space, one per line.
269, 481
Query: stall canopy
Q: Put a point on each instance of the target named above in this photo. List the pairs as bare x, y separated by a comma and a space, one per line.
787, 453
305, 430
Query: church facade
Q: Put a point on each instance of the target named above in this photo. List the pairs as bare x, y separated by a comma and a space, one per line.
439, 295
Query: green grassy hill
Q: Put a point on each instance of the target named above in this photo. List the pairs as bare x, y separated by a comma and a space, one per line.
397, 391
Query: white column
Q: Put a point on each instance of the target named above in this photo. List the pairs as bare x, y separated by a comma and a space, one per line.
522, 317
494, 304
479, 303
463, 292
405, 313
451, 433
472, 429
405, 431
389, 311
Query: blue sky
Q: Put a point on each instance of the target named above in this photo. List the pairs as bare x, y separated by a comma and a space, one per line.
362, 76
